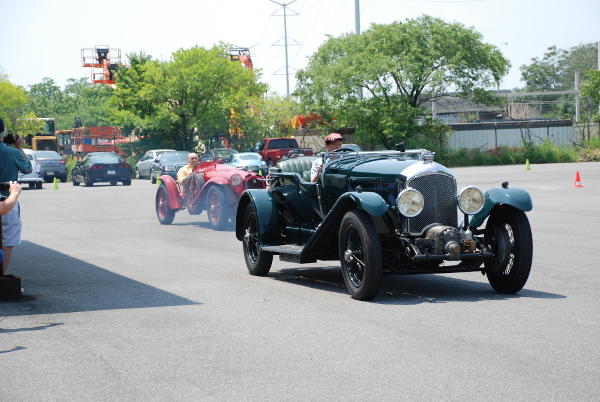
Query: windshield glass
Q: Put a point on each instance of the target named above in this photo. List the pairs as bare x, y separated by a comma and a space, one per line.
175, 157
223, 153
250, 157
104, 159
48, 154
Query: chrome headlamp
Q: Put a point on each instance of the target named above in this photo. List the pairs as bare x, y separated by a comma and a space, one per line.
236, 179
470, 200
410, 202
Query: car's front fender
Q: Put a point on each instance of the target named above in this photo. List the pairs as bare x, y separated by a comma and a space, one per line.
266, 214
172, 191
514, 196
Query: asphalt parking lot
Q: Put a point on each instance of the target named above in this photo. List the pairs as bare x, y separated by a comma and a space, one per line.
117, 307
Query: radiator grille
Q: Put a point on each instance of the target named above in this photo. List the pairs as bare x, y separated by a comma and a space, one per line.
439, 193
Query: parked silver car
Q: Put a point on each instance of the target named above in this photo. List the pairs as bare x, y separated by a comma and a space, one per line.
142, 168
35, 179
250, 161
53, 165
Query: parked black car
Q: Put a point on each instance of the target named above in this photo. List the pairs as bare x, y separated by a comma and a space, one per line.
168, 163
385, 212
99, 167
53, 165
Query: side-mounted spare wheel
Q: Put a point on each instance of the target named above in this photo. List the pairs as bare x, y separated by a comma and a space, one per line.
508, 234
360, 255
258, 261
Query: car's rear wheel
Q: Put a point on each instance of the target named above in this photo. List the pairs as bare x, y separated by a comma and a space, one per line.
360, 255
163, 212
86, 181
32, 184
127, 182
38, 184
258, 261
508, 233
113, 183
270, 163
216, 209
63, 179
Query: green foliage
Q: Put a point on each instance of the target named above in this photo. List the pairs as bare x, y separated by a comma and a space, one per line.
79, 98
191, 95
398, 67
545, 152
13, 101
591, 88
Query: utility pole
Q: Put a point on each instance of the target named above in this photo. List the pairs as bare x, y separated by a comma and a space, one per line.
357, 25
285, 39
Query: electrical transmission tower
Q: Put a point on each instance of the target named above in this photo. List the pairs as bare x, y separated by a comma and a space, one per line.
285, 40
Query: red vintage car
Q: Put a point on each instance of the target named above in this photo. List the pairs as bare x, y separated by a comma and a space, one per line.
213, 186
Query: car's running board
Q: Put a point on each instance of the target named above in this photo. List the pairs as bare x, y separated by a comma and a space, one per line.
290, 253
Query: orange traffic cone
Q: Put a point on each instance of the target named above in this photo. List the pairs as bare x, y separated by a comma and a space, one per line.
577, 180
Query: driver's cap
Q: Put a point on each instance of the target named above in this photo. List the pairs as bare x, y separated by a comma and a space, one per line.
333, 137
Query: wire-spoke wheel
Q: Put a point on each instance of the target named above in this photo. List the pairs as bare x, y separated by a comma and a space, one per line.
508, 234
217, 209
360, 255
258, 261
163, 212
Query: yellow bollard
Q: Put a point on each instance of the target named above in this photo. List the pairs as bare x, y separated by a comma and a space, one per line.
527, 165
158, 182
55, 184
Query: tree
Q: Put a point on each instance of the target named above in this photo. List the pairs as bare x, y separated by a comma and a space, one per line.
556, 70
79, 98
13, 101
398, 67
591, 88
193, 94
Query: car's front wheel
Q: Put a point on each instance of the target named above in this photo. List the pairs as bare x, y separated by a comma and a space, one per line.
163, 212
152, 179
258, 261
75, 182
508, 234
137, 174
360, 255
216, 208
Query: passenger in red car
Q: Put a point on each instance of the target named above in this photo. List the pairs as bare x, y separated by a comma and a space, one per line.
184, 173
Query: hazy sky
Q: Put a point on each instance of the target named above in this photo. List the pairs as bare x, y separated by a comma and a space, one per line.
44, 38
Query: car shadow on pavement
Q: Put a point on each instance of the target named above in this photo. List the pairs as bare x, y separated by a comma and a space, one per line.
57, 283
408, 289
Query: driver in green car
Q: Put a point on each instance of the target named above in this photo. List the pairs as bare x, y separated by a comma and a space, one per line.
332, 142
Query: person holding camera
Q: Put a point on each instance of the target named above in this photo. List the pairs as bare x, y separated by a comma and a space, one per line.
12, 161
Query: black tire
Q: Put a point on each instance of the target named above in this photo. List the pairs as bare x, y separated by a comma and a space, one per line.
127, 182
217, 208
75, 182
38, 184
270, 163
509, 272
360, 255
113, 183
137, 174
152, 179
258, 262
32, 184
164, 214
86, 181
63, 179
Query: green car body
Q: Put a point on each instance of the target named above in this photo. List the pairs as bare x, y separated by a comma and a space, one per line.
352, 214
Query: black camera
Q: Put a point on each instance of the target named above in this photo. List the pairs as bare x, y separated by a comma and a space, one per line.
10, 139
4, 186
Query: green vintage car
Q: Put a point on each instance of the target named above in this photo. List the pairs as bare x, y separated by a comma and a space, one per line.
393, 212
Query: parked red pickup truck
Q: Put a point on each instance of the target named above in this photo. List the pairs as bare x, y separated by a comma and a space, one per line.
273, 150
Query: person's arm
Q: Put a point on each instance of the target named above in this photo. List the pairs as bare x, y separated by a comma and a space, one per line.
11, 201
182, 175
24, 166
316, 168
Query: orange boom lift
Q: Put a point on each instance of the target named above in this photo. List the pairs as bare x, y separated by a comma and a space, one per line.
103, 61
